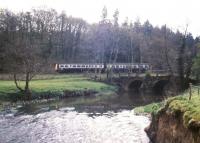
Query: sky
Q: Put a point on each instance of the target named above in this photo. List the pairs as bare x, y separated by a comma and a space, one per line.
176, 14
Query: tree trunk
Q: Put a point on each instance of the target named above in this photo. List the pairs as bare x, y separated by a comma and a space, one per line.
26, 88
26, 91
181, 61
16, 83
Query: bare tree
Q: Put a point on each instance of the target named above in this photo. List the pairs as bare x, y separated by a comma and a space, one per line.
23, 53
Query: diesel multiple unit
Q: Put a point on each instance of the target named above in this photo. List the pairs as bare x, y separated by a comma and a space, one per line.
92, 67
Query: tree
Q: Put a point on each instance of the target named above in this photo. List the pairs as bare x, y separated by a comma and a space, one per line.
104, 14
23, 53
196, 60
196, 67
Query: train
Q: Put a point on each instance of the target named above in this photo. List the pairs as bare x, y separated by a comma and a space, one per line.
100, 67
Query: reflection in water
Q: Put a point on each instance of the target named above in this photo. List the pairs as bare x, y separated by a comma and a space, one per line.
83, 119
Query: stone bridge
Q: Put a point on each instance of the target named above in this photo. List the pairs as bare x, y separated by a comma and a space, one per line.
150, 83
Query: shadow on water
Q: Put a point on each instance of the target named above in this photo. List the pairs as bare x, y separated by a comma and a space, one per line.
94, 105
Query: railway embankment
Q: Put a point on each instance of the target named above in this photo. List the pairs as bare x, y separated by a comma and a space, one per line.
176, 120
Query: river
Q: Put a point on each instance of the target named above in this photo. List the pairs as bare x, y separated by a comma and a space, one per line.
78, 120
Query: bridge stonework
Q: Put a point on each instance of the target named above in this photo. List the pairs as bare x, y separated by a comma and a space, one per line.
142, 83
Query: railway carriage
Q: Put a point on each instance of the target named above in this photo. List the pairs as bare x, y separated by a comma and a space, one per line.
99, 67
73, 68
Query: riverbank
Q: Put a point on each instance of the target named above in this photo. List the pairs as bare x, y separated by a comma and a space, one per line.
175, 120
51, 86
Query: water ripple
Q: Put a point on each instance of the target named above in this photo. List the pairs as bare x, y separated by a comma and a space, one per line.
73, 127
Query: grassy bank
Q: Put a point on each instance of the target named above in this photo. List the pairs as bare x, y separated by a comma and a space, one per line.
179, 104
55, 84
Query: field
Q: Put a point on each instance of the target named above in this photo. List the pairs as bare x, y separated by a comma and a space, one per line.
56, 83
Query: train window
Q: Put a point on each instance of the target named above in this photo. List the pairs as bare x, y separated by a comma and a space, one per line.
73, 66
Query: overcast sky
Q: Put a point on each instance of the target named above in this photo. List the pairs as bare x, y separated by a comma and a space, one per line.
175, 13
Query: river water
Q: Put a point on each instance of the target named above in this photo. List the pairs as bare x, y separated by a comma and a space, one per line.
78, 120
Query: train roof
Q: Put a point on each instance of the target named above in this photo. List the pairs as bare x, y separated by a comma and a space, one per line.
107, 63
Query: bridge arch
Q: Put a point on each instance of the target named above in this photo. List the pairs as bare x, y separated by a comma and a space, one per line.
158, 86
134, 85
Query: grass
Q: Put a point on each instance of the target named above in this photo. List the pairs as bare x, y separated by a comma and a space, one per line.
179, 104
189, 108
150, 108
57, 84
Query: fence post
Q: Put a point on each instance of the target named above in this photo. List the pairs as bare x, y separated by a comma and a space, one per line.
190, 92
